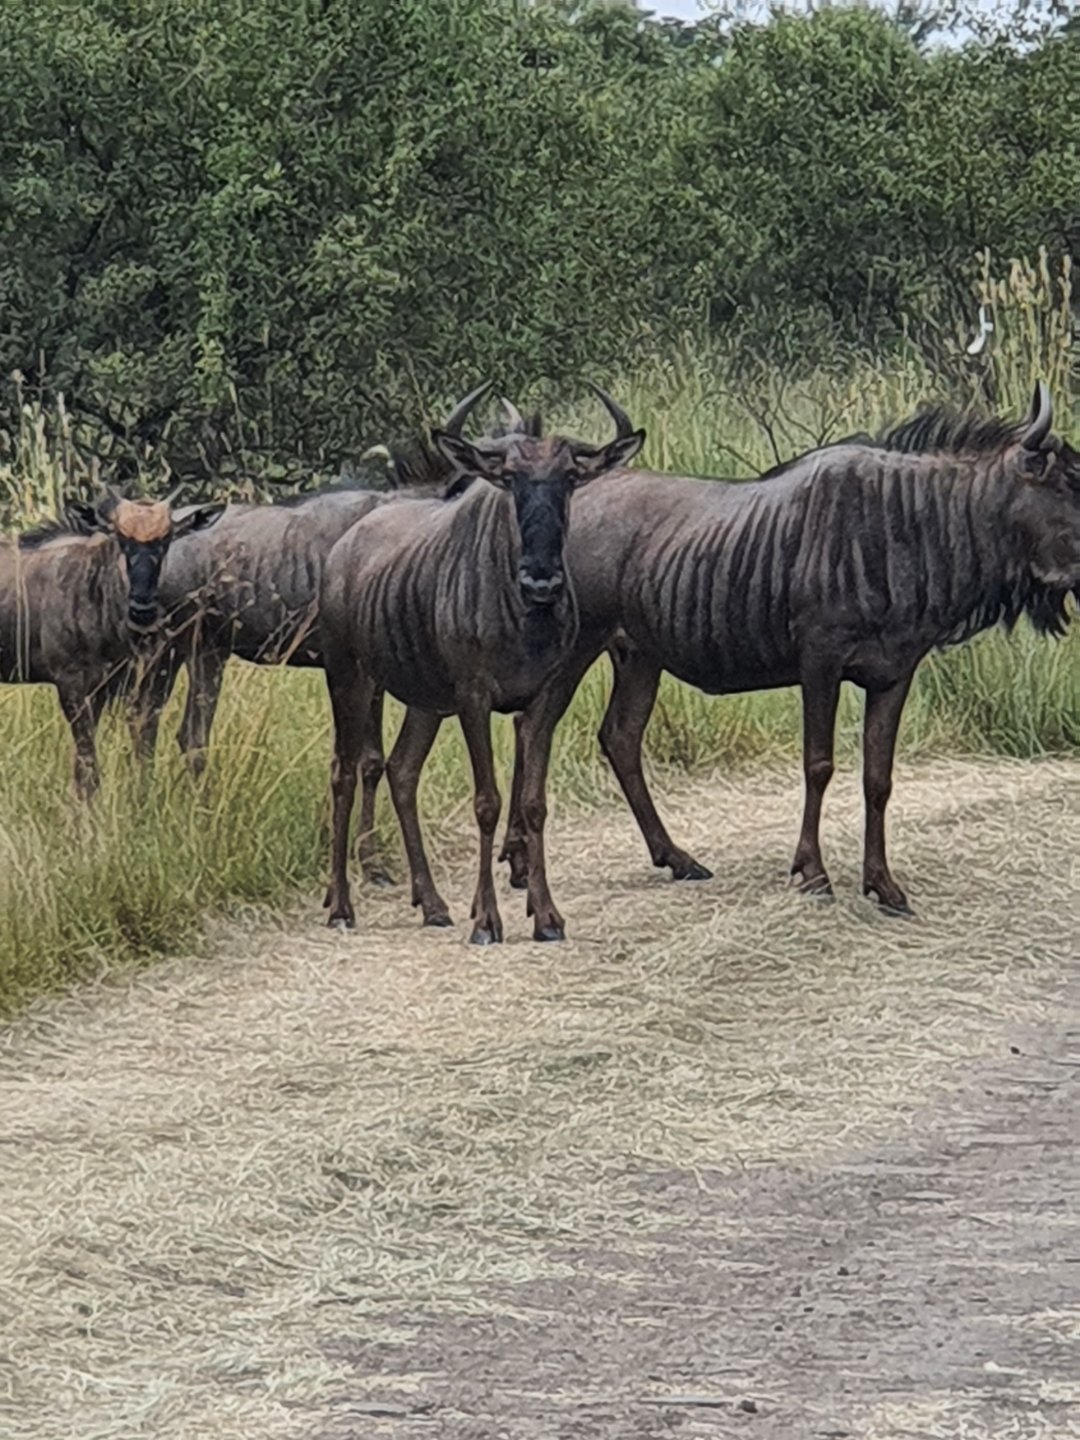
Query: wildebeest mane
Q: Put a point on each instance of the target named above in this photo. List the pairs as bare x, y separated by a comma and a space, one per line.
40, 535
293, 502
419, 465
933, 430
938, 429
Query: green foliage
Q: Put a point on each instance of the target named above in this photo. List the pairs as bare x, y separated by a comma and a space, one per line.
256, 238
265, 228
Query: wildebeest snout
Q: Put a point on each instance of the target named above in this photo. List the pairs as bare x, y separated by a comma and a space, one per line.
541, 589
143, 616
143, 606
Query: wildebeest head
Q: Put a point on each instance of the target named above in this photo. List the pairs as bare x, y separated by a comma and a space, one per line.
144, 530
1048, 508
540, 475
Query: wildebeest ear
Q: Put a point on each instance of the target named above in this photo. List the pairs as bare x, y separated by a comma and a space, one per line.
1040, 418
613, 456
84, 518
200, 519
469, 457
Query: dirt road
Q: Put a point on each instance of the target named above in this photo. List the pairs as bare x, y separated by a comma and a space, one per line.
727, 1163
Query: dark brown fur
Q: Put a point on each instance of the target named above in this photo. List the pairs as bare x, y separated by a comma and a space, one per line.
456, 607
850, 563
76, 608
250, 589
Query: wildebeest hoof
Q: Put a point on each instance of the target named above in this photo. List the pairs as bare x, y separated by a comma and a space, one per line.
484, 936
690, 870
549, 932
378, 877
341, 922
896, 909
818, 887
519, 879
440, 919
890, 899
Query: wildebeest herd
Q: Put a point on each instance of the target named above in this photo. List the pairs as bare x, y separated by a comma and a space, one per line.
488, 583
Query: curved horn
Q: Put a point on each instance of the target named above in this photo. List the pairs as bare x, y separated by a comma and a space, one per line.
108, 499
456, 419
377, 452
513, 414
1042, 416
624, 426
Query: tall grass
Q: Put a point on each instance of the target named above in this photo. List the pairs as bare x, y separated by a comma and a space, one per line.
83, 890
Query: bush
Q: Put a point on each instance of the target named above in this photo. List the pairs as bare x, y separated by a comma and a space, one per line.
245, 238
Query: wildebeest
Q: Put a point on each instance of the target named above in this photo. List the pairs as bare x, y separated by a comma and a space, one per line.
851, 562
79, 597
250, 589
455, 606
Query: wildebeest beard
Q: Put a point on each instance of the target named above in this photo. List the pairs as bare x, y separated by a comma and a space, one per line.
543, 628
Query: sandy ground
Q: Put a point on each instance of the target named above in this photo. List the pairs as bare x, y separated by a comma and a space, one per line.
729, 1162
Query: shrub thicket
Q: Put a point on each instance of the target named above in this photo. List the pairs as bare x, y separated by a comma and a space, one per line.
244, 236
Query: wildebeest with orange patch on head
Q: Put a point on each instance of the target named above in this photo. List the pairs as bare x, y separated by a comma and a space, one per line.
79, 598
456, 607
249, 589
851, 562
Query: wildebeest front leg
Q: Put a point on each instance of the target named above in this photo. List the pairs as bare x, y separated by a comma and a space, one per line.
820, 695
880, 725
414, 741
206, 670
544, 714
152, 687
372, 765
534, 754
515, 845
476, 724
350, 697
82, 712
633, 696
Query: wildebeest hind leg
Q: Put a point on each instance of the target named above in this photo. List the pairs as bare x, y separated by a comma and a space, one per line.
820, 694
372, 765
206, 670
414, 741
880, 726
350, 697
632, 699
476, 724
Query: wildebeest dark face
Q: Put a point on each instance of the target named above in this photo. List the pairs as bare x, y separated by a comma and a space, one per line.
144, 530
540, 487
1048, 509
540, 476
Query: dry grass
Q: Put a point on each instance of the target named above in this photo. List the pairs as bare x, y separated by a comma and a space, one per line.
81, 894
218, 1173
